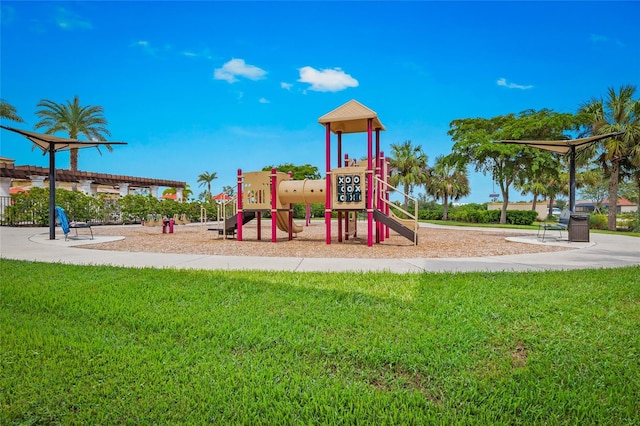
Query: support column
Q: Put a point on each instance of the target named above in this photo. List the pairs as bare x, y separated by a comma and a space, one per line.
386, 195
259, 225
179, 194
378, 173
124, 189
274, 204
5, 191
37, 181
239, 217
153, 190
369, 183
327, 205
85, 186
5, 186
52, 191
572, 180
290, 213
338, 166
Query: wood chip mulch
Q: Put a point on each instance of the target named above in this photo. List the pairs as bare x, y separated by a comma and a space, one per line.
311, 243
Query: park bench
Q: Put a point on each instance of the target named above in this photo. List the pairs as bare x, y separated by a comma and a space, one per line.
561, 225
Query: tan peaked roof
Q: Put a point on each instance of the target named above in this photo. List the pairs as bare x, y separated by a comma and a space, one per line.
60, 144
563, 146
351, 117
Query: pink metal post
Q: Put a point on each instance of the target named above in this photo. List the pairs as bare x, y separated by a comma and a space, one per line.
369, 184
346, 216
386, 195
383, 189
327, 205
239, 223
338, 166
377, 203
290, 212
274, 205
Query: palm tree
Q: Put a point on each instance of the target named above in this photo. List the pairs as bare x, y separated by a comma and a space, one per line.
9, 112
186, 191
617, 113
229, 190
74, 119
205, 179
408, 166
448, 181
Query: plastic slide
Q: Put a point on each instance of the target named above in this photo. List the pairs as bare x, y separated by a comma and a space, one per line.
282, 220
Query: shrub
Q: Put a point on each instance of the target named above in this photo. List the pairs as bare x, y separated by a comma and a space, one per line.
521, 217
430, 214
598, 221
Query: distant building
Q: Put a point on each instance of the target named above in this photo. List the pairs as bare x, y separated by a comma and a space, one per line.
26, 177
624, 206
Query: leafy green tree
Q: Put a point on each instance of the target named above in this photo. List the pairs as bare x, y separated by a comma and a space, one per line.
628, 190
449, 182
305, 171
205, 179
594, 187
74, 119
9, 112
408, 167
618, 112
475, 144
542, 168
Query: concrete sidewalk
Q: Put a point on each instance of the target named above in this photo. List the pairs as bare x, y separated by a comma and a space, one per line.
604, 251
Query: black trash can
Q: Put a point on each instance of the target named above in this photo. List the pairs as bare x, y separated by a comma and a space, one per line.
579, 227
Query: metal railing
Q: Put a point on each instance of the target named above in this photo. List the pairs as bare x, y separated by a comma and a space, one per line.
412, 221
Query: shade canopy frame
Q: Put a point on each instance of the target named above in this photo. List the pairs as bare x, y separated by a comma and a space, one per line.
564, 147
52, 144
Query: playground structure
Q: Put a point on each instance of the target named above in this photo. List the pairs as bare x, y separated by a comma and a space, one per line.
349, 189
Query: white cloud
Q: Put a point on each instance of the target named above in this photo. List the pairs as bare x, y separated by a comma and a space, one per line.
145, 46
504, 83
68, 20
327, 80
599, 38
238, 68
197, 54
264, 101
286, 86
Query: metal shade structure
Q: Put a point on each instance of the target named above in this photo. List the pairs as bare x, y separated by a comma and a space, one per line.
564, 147
52, 144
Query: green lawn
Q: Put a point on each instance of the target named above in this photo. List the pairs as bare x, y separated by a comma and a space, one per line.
105, 345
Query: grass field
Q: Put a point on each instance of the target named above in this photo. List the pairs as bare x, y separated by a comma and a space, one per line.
106, 345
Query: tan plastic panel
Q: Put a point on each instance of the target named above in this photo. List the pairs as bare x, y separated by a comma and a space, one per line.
349, 188
302, 191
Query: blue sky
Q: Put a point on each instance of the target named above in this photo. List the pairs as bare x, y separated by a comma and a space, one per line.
215, 86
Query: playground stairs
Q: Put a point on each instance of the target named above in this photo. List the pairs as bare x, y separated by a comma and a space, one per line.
396, 224
231, 223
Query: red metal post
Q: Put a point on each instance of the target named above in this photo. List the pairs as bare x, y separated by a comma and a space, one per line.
239, 223
383, 190
274, 204
377, 202
327, 205
386, 195
369, 183
346, 214
290, 212
338, 166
